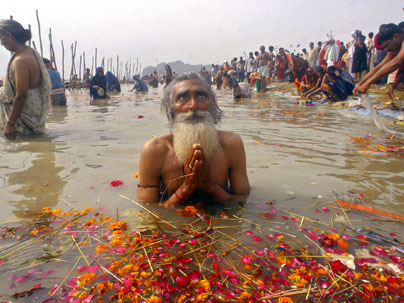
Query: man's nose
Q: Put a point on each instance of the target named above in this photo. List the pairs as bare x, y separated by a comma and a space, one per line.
192, 104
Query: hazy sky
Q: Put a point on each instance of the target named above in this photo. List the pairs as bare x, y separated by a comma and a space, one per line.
194, 31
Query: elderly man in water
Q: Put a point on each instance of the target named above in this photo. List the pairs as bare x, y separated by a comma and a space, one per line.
194, 157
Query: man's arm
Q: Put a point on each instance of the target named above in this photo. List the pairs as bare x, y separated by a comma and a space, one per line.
21, 78
150, 164
385, 69
238, 167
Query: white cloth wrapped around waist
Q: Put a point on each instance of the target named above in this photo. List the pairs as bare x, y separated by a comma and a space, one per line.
57, 91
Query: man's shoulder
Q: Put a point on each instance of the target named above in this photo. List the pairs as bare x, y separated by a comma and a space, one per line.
230, 139
158, 145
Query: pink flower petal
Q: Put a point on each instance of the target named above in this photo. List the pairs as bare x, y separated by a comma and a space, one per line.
93, 268
45, 274
256, 239
22, 278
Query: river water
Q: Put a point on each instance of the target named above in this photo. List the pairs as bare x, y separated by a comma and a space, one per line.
296, 156
290, 149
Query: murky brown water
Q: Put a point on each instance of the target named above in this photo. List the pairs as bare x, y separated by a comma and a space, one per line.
296, 155
301, 149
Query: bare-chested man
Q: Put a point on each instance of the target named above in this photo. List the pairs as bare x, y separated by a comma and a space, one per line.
391, 38
194, 156
263, 61
26, 94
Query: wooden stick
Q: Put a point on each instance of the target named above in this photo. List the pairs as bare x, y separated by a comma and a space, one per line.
81, 59
63, 62
39, 30
33, 44
117, 66
148, 260
29, 27
343, 210
249, 221
84, 61
149, 211
287, 293
51, 50
96, 54
65, 278
80, 251
92, 65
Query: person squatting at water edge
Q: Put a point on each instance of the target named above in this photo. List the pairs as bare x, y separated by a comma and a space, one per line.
57, 93
25, 98
194, 157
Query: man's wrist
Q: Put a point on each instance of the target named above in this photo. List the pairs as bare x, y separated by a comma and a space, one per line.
10, 124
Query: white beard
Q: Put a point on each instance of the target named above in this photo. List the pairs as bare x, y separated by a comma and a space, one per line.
191, 128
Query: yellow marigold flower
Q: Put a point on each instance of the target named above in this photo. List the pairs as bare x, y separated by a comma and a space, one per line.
101, 248
154, 299
334, 236
202, 297
87, 278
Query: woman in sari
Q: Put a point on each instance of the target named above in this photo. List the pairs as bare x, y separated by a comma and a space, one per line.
282, 63
336, 84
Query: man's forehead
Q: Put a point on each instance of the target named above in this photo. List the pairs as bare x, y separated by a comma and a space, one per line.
193, 84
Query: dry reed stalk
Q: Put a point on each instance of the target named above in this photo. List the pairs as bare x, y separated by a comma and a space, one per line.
66, 276
80, 251
336, 200
149, 211
39, 31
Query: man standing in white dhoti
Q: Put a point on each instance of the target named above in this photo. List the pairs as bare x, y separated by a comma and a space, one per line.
25, 100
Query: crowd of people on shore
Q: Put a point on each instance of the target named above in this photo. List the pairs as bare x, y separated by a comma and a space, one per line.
330, 67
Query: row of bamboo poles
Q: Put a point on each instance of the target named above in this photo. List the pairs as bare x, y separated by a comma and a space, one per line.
123, 70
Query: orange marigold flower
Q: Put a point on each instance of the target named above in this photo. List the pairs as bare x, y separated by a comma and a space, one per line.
188, 211
83, 295
154, 299
342, 244
285, 300
101, 248
87, 278
118, 225
334, 236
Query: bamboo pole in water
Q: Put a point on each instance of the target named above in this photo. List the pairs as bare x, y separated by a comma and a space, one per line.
52, 50
63, 62
39, 31
73, 50
103, 63
29, 28
92, 66
117, 66
81, 58
96, 58
130, 68
84, 61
